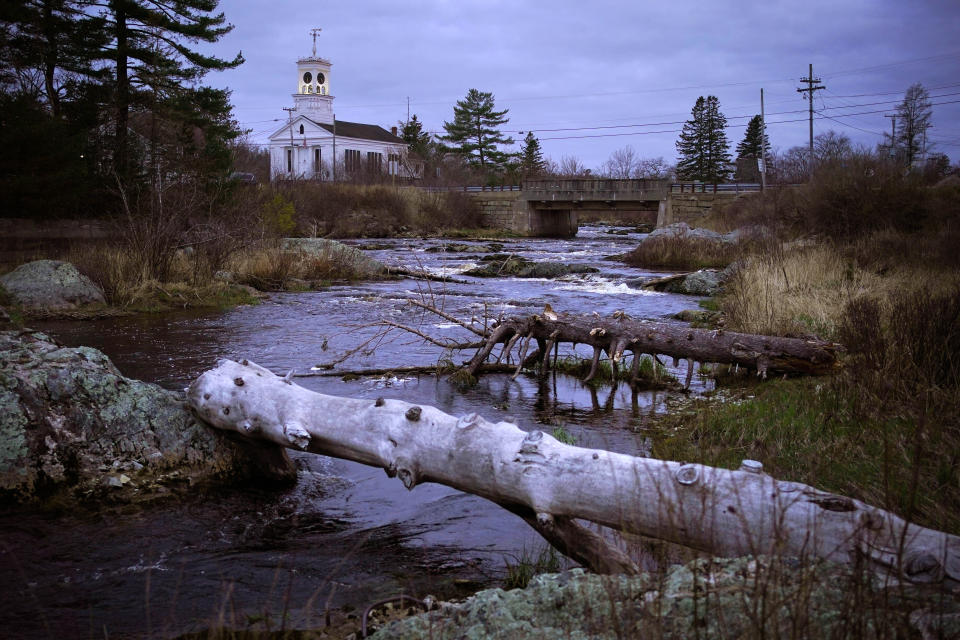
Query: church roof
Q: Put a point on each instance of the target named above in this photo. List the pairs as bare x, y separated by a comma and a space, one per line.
361, 131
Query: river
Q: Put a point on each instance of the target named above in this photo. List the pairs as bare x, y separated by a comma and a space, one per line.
346, 535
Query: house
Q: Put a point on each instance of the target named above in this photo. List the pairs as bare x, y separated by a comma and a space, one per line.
307, 144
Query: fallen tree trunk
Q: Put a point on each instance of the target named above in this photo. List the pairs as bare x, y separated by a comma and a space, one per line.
616, 335
550, 484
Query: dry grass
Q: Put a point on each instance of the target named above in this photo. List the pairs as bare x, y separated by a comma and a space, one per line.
804, 290
682, 252
273, 268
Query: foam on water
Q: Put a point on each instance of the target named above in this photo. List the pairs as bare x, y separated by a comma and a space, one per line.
606, 287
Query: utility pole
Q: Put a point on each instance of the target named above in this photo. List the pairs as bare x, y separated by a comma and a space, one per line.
408, 109
811, 81
893, 132
763, 146
290, 111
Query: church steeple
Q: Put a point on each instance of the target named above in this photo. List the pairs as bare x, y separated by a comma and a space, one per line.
313, 98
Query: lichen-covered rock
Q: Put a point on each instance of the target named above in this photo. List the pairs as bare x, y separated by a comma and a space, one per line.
719, 598
350, 258
71, 424
51, 285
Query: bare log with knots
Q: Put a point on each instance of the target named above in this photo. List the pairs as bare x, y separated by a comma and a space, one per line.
554, 486
619, 334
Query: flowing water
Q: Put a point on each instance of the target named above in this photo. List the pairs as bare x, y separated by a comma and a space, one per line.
346, 535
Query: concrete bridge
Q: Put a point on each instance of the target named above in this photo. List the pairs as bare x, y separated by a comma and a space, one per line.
554, 207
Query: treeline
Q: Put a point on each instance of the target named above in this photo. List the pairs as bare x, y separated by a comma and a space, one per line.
102, 104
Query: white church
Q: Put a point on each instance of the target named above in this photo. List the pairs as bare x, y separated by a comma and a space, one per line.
306, 146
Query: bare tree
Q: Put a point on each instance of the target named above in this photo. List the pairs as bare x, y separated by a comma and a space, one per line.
569, 167
654, 168
913, 120
831, 145
622, 164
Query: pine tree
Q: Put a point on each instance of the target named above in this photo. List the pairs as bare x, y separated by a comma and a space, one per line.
52, 38
913, 120
418, 140
703, 145
474, 131
755, 143
149, 53
532, 164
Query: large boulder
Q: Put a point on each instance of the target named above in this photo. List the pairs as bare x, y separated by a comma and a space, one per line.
51, 285
72, 425
707, 598
352, 260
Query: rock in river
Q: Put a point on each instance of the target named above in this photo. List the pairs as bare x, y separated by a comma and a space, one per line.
504, 265
51, 285
71, 424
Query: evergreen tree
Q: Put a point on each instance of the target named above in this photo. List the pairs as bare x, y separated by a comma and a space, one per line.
149, 53
474, 131
532, 164
913, 120
754, 144
418, 140
47, 43
703, 145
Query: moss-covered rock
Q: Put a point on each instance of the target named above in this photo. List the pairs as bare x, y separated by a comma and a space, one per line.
720, 598
71, 424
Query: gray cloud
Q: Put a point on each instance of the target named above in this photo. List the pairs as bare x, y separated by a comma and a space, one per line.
580, 65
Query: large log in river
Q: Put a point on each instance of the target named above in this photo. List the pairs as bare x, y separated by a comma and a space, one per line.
553, 485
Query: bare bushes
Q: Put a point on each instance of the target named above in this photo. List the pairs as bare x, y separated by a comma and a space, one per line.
437, 211
348, 210
345, 210
860, 193
779, 209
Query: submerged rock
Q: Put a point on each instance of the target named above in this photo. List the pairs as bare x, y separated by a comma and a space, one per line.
51, 285
71, 424
350, 258
719, 598
504, 265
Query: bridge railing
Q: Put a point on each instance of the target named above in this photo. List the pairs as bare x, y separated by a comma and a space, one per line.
594, 185
477, 189
702, 187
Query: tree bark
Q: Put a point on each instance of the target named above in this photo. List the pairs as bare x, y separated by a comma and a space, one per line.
765, 354
550, 484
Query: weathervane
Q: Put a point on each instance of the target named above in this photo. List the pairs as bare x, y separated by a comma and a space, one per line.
314, 33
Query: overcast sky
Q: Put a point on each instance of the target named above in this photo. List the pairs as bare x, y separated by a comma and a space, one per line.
591, 77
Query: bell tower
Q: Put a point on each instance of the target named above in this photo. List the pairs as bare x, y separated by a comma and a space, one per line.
313, 98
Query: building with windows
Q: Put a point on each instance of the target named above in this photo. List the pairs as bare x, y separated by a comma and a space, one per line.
314, 145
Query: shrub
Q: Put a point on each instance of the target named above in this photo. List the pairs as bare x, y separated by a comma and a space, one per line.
860, 193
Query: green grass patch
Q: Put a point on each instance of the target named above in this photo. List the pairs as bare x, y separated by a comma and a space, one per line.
530, 564
818, 432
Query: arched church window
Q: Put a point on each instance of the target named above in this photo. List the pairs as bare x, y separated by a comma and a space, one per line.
301, 128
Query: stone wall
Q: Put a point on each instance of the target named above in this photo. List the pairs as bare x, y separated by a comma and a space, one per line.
503, 210
690, 207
